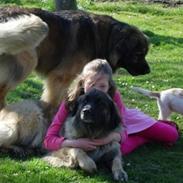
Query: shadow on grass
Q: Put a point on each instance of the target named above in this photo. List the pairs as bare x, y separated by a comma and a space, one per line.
156, 163
29, 89
152, 162
17, 2
103, 174
159, 39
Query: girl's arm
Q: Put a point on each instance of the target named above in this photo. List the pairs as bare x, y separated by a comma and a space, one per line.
52, 140
113, 136
121, 107
118, 101
83, 143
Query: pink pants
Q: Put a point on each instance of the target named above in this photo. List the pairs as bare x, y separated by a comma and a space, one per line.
160, 132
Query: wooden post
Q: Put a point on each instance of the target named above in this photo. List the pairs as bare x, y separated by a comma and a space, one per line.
65, 5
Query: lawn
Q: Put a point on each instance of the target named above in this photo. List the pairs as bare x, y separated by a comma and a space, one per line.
151, 163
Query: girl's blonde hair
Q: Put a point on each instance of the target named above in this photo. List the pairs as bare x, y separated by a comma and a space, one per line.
95, 67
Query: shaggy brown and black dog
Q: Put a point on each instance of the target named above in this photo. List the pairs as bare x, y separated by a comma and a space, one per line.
58, 45
86, 122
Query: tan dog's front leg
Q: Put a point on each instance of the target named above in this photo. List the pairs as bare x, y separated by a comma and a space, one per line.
55, 87
14, 69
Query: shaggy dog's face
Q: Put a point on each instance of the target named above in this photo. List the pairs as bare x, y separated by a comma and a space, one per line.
96, 110
129, 47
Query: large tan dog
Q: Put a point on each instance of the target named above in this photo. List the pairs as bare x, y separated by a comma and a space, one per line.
22, 127
58, 45
170, 100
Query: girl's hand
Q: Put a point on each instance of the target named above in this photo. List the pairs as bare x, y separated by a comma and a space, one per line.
89, 145
113, 136
83, 143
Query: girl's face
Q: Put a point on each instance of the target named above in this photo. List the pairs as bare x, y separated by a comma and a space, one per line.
98, 81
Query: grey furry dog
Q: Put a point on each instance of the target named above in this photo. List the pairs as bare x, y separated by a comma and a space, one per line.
86, 122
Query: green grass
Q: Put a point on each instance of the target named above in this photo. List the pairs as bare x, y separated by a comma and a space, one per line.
151, 163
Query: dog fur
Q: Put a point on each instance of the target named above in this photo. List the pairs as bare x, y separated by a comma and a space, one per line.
168, 101
18, 39
22, 127
86, 123
55, 43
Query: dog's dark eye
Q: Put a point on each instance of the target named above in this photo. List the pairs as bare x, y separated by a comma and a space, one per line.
136, 57
135, 60
82, 100
102, 103
85, 101
139, 54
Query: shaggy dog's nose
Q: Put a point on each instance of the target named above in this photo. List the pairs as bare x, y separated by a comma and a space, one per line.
87, 110
86, 114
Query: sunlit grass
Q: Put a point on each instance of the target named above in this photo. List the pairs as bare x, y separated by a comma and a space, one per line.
151, 163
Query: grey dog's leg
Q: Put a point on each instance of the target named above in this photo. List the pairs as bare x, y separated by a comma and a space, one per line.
71, 157
61, 158
84, 161
119, 173
117, 169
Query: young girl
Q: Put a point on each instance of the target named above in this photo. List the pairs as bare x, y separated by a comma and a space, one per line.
139, 128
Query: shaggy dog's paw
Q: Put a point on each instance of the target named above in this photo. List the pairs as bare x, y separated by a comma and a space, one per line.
120, 175
88, 165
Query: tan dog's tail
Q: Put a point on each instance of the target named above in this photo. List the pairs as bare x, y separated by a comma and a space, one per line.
21, 33
148, 93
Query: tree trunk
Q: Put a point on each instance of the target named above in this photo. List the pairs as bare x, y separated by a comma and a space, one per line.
65, 5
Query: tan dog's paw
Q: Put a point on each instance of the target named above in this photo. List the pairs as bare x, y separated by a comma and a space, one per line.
120, 175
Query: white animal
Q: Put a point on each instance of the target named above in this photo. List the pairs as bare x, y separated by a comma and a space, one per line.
170, 100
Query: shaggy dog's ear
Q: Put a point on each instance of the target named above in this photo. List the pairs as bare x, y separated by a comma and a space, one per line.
74, 107
115, 116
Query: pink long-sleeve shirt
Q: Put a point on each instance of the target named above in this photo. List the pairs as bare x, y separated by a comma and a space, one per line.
133, 119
